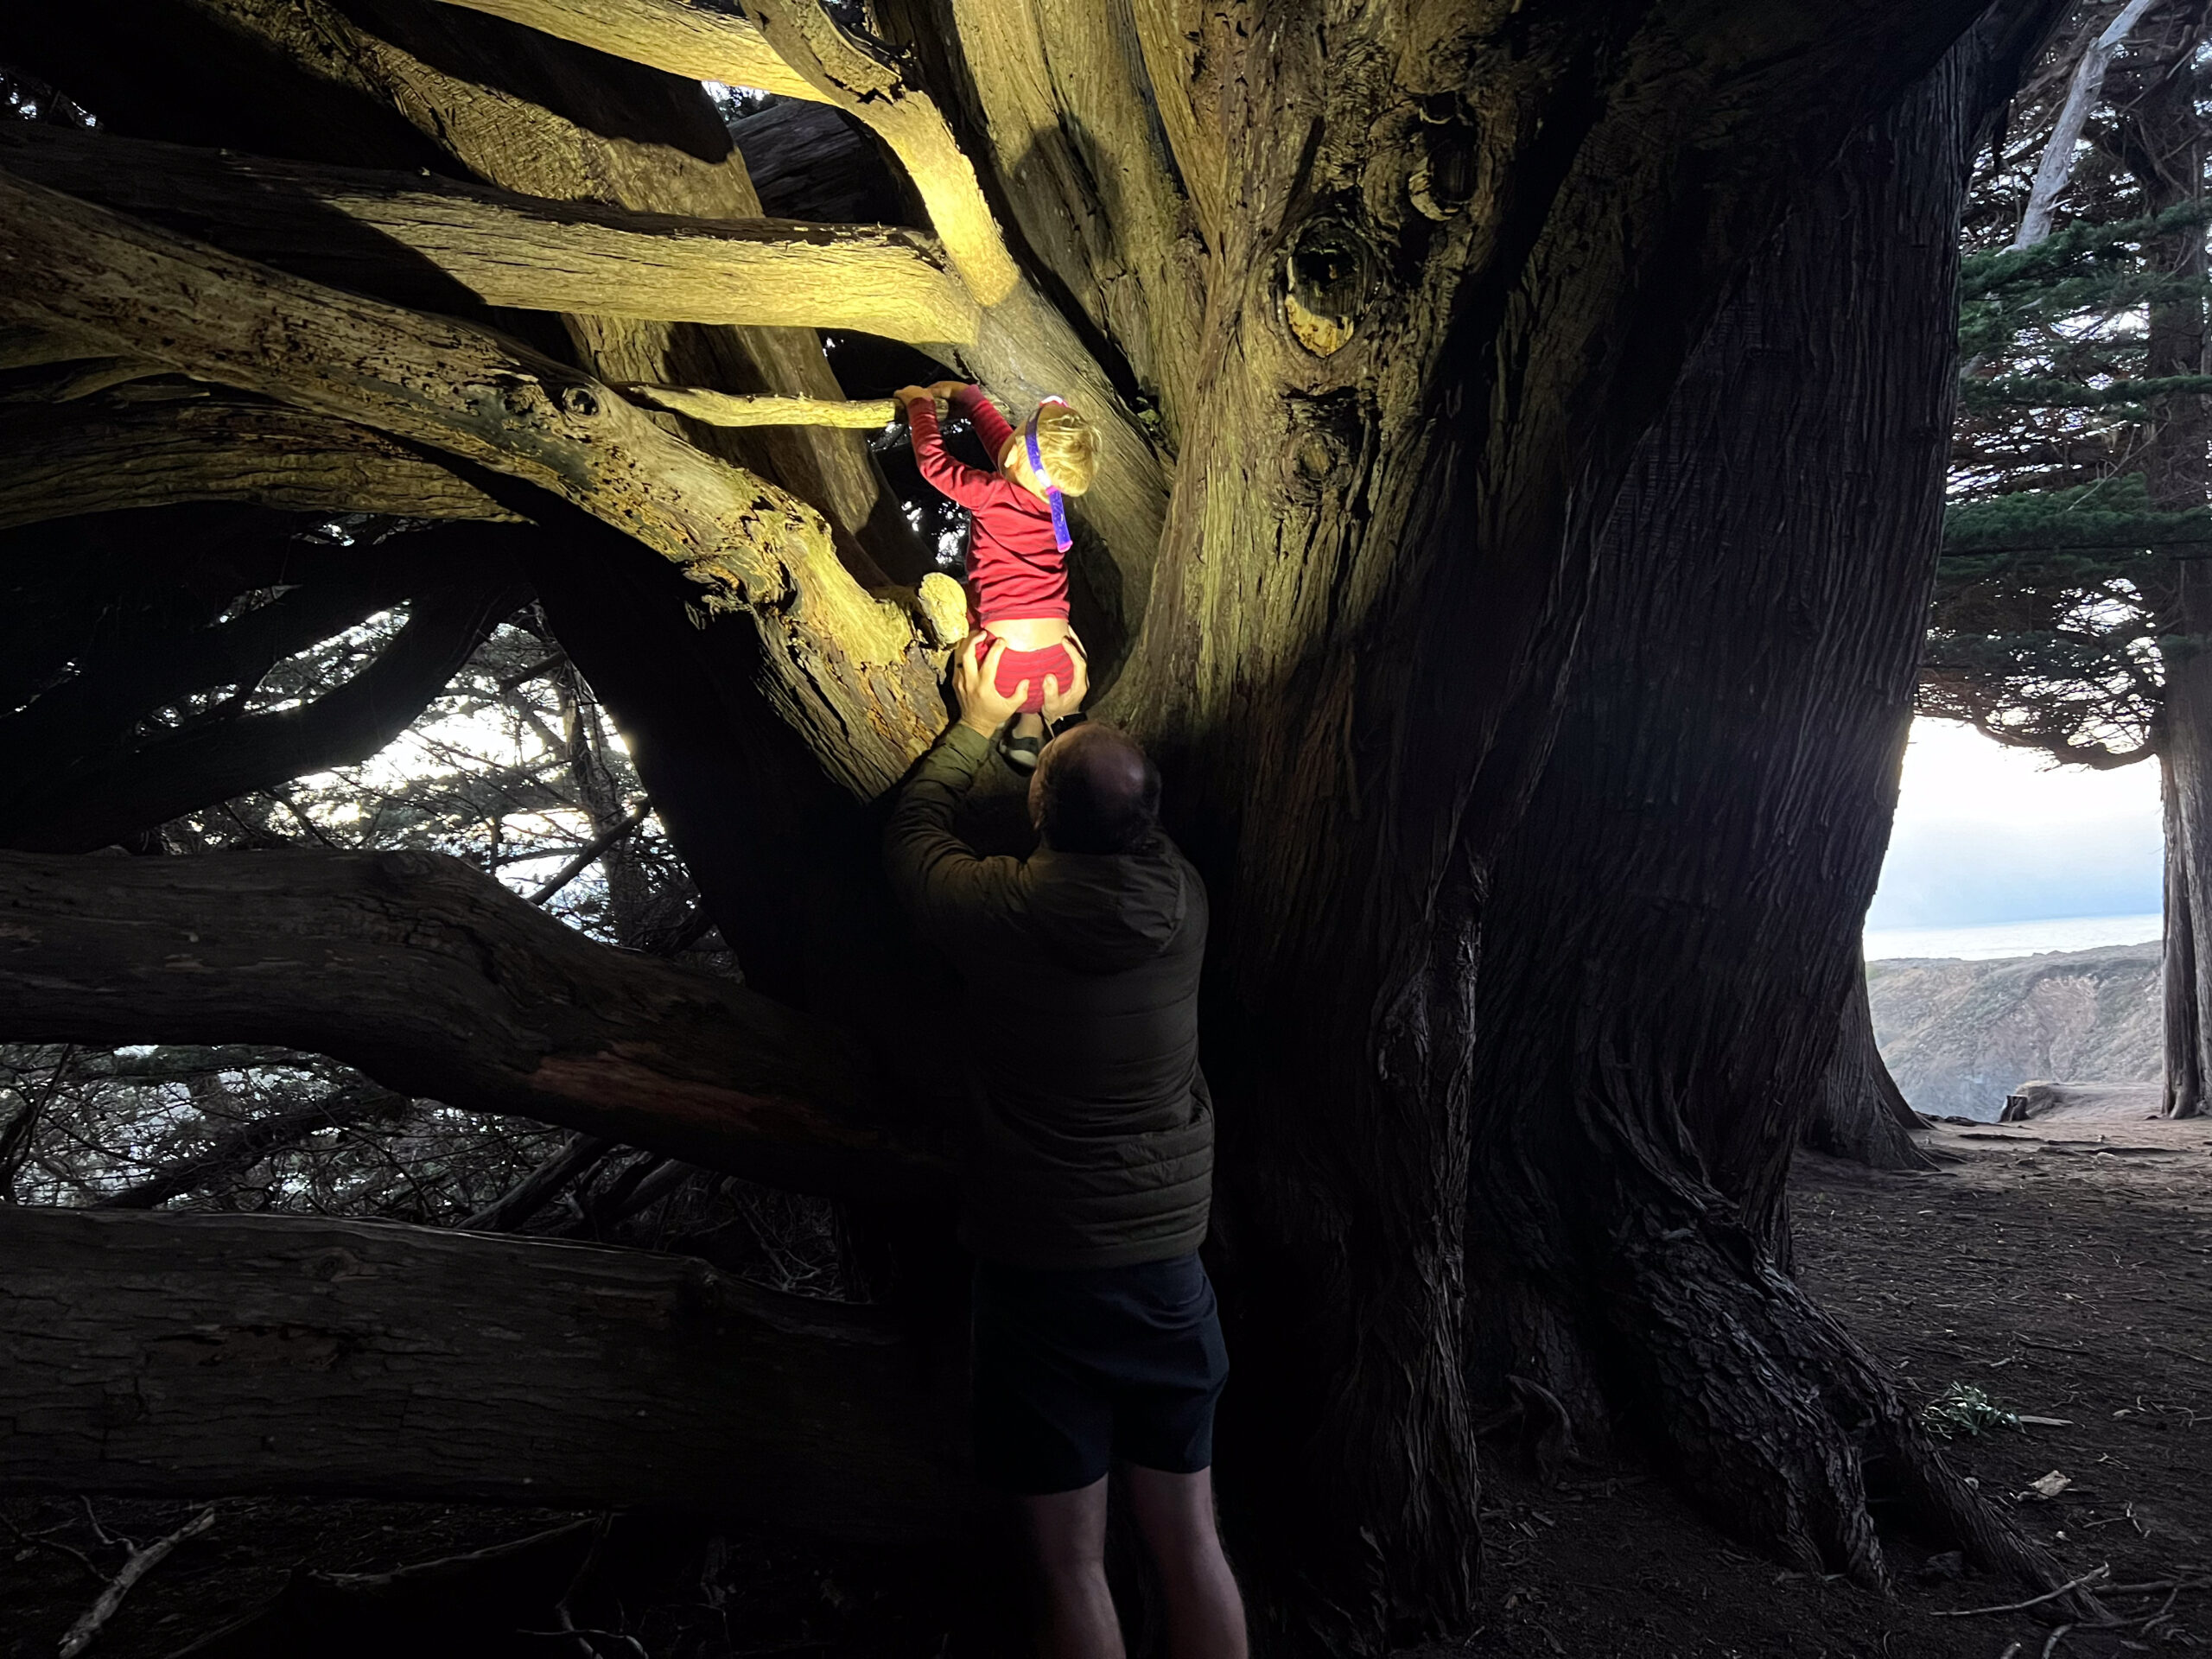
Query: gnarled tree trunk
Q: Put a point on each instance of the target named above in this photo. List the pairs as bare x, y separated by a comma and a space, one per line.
2161, 139
1372, 307
1858, 1112
1673, 932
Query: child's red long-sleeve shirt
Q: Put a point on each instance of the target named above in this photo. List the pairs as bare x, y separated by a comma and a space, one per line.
1014, 568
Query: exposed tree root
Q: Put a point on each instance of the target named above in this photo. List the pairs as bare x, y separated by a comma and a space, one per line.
1778, 1423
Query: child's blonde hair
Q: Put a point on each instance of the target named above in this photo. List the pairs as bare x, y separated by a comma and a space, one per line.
1068, 445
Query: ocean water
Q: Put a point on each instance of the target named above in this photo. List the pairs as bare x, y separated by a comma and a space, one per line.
1996, 939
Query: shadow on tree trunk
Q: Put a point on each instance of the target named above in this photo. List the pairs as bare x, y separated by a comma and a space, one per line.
1673, 939
1859, 1114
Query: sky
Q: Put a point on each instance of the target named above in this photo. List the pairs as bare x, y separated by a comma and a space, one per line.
1987, 835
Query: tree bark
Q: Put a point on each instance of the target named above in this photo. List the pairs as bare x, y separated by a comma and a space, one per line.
847, 665
1673, 932
429, 243
432, 978
168, 1356
158, 446
2162, 141
1858, 1113
1375, 566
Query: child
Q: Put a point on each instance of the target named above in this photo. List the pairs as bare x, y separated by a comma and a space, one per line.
1018, 540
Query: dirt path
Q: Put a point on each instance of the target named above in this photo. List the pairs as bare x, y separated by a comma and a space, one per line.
2062, 1265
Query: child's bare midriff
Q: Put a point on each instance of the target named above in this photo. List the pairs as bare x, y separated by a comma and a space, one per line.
1029, 632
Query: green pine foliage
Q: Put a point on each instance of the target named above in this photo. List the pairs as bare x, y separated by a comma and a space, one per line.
2056, 584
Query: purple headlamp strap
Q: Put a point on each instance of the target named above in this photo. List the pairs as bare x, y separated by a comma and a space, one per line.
1061, 539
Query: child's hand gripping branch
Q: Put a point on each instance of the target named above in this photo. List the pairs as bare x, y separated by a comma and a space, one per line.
1018, 541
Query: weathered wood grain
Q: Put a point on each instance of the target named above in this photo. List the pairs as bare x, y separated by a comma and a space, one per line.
420, 239
174, 1354
768, 408
810, 56
435, 980
844, 662
100, 455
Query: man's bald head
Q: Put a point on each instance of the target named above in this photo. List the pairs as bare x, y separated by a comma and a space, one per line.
1095, 791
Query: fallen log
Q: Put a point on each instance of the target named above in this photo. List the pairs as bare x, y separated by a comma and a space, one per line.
209, 1355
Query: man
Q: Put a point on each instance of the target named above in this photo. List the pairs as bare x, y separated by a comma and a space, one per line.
1088, 1167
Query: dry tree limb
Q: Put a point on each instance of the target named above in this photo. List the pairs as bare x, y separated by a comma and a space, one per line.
794, 47
695, 40
535, 1191
2057, 165
599, 843
2067, 1588
412, 237
769, 409
848, 667
139, 1564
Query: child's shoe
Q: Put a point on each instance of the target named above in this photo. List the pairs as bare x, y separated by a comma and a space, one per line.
1019, 752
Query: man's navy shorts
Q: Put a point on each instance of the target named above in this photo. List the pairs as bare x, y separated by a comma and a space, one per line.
1074, 1369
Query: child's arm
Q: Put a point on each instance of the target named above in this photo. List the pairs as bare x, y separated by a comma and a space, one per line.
990, 425
971, 486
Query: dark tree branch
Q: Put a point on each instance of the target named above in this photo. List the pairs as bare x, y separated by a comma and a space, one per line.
108, 796
577, 1156
203, 1355
437, 981
144, 446
598, 844
127, 675
240, 1150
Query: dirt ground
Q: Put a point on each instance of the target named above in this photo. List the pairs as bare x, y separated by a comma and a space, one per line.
2061, 1265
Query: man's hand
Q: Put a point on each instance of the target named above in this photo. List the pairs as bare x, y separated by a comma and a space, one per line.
983, 707
948, 390
1061, 701
906, 394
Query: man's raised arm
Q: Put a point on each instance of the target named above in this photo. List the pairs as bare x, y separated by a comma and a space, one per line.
943, 882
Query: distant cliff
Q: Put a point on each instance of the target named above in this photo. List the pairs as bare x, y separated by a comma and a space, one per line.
1960, 1036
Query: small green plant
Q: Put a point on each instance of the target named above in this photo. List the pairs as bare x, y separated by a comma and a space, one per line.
1962, 1408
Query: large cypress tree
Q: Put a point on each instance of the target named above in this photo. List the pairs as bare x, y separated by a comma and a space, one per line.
2072, 589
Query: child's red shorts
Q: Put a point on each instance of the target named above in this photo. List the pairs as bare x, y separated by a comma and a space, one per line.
1032, 666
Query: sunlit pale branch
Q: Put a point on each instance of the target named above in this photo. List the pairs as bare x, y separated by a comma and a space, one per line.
813, 58
419, 233
769, 409
843, 660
